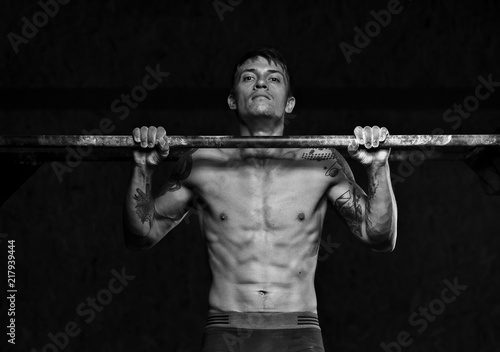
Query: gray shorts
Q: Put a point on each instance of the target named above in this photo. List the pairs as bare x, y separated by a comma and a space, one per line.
263, 332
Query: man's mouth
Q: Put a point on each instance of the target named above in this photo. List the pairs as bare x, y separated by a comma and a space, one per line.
261, 96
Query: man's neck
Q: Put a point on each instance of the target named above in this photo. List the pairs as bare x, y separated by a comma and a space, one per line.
262, 128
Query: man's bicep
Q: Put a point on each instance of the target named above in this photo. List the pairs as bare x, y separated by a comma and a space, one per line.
174, 199
169, 210
174, 204
349, 199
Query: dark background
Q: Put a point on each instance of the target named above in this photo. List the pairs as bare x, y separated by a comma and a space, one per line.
69, 234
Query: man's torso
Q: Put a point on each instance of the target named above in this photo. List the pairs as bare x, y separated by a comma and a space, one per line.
261, 213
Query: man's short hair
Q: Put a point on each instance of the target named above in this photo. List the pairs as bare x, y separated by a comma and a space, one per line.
271, 55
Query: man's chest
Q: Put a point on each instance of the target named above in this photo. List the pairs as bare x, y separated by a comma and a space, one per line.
272, 195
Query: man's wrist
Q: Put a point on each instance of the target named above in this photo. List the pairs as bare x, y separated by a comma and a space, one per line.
377, 165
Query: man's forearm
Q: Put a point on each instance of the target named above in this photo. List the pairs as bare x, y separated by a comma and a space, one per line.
139, 203
381, 209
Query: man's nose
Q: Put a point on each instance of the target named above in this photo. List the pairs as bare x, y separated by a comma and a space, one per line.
260, 83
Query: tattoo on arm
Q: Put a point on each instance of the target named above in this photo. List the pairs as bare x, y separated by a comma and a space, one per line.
349, 206
349, 203
372, 190
339, 163
333, 170
344, 166
144, 204
313, 155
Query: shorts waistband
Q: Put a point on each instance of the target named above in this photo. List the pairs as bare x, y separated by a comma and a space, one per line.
263, 320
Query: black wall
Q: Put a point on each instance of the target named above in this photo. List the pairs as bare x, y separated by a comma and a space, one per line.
68, 229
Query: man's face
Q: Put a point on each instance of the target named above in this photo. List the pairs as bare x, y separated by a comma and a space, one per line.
261, 90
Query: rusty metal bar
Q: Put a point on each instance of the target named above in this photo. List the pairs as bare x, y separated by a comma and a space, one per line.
316, 141
38, 149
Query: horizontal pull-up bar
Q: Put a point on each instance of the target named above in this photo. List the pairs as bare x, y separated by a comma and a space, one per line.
313, 141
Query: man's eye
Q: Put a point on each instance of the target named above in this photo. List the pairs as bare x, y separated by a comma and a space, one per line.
274, 79
247, 78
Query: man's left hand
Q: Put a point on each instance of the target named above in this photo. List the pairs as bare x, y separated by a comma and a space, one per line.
369, 137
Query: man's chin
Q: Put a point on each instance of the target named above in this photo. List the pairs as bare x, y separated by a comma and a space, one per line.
263, 112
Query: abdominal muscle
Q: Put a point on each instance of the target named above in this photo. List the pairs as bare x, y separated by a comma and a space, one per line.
263, 271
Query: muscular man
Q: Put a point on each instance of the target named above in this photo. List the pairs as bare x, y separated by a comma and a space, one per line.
261, 212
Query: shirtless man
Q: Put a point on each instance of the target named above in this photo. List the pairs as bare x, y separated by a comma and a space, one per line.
261, 212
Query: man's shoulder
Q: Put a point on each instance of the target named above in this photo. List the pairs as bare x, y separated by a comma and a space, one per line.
321, 154
329, 160
209, 154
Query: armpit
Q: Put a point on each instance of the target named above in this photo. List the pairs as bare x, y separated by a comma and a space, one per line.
181, 172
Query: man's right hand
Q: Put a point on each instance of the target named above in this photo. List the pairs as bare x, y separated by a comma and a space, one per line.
149, 137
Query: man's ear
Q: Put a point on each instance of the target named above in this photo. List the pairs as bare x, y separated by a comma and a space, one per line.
231, 101
290, 104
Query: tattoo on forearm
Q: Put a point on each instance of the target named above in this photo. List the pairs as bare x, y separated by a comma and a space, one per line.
181, 172
144, 204
372, 190
349, 206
